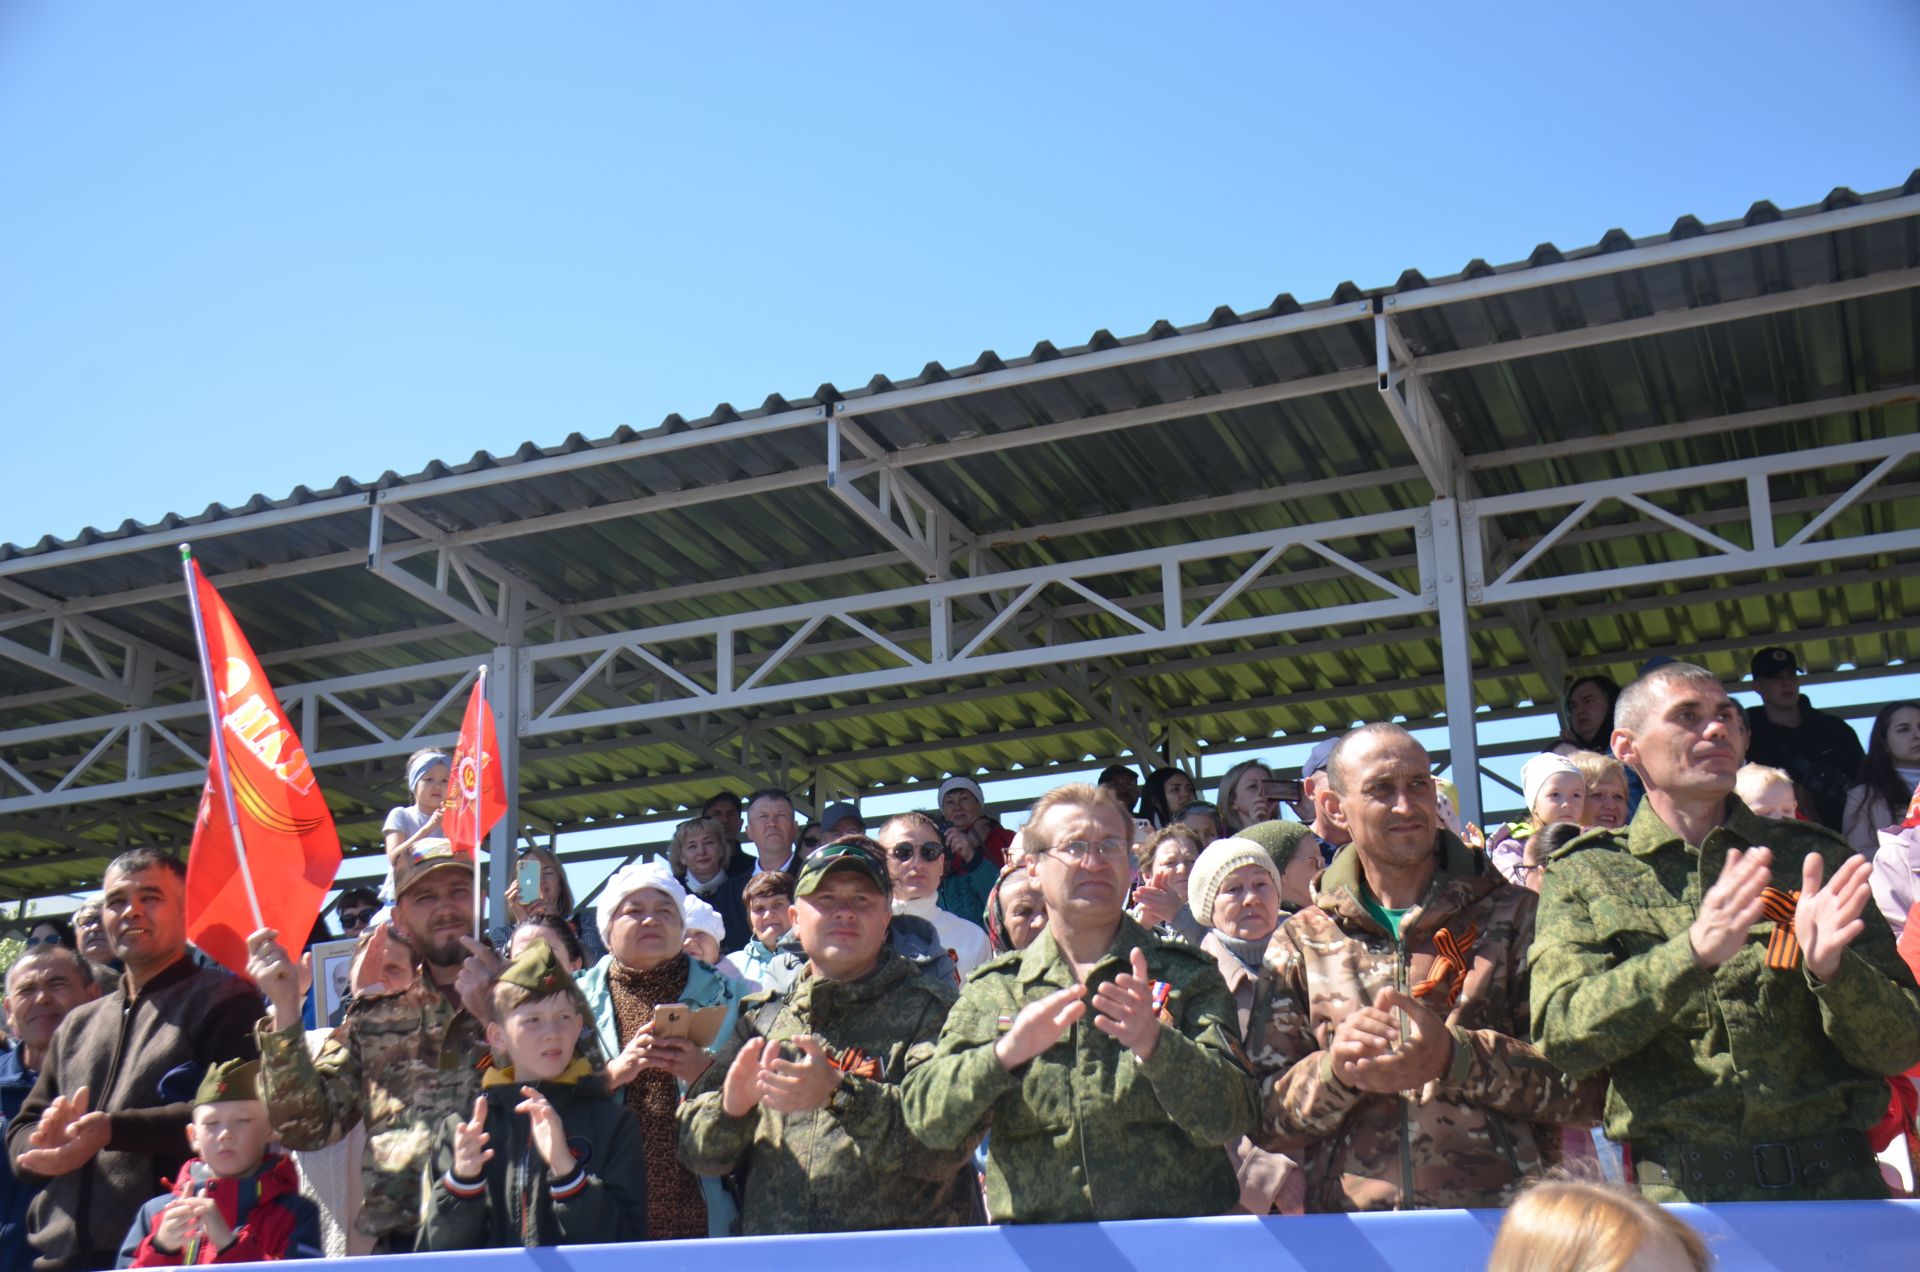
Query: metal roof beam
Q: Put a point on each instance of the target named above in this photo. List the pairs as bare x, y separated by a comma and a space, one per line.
1670, 251
167, 538
1442, 363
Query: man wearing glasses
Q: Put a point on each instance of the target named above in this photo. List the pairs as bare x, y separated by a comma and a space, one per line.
917, 861
1107, 1061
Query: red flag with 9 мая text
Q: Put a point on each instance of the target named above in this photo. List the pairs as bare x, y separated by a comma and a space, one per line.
475, 788
292, 848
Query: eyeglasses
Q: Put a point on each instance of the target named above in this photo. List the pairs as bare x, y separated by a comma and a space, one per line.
355, 918
903, 853
51, 939
1080, 851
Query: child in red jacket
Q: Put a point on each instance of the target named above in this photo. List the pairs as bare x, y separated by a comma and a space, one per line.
238, 1201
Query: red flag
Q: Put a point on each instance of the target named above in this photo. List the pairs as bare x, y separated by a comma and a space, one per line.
476, 786
291, 848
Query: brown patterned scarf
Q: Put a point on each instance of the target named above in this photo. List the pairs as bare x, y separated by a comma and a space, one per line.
676, 1207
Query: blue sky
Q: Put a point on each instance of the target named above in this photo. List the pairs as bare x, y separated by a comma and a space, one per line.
244, 246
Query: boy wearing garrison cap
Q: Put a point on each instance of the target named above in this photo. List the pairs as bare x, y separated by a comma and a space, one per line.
238, 1200
548, 1156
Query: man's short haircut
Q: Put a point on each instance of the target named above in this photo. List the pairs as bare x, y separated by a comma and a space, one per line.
707, 807
1075, 795
364, 896
920, 821
768, 883
1337, 759
1636, 701
34, 955
1596, 768
134, 860
768, 792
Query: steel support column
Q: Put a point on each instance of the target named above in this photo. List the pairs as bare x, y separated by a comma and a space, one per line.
1456, 655
503, 695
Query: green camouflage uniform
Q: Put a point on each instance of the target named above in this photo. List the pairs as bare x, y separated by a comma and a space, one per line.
1712, 1066
1463, 1140
403, 1062
851, 1166
1084, 1131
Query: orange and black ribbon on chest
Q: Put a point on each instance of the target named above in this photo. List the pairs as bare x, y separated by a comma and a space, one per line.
1448, 975
1783, 947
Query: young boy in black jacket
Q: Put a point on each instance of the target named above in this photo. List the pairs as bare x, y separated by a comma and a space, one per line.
549, 1156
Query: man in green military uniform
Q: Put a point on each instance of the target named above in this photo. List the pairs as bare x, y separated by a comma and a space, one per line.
402, 1060
806, 1095
1726, 969
1106, 1060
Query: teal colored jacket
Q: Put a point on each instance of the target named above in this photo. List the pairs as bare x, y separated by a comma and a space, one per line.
705, 988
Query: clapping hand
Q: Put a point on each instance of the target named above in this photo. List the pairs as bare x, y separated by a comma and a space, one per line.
1731, 906
1370, 1053
1124, 1009
799, 1086
1039, 1025
548, 1133
1827, 919
66, 1137
470, 1151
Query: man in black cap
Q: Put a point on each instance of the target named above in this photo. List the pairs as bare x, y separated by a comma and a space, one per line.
1820, 752
1328, 838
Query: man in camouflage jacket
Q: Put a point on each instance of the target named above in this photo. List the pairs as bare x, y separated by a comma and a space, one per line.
862, 1015
402, 1060
1106, 1061
1726, 970
1392, 1042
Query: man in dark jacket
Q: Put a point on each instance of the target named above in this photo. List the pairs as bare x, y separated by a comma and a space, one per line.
106, 1122
43, 986
806, 1095
1820, 752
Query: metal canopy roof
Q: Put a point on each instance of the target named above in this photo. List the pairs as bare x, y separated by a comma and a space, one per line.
1298, 516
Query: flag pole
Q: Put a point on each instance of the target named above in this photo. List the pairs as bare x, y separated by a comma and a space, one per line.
219, 738
480, 775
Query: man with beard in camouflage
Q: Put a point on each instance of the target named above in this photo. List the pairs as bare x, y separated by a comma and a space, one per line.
1391, 1022
806, 1096
402, 1060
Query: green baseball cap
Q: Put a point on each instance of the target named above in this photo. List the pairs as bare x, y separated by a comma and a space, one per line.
850, 852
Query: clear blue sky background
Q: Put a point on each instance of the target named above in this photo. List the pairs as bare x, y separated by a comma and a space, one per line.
248, 246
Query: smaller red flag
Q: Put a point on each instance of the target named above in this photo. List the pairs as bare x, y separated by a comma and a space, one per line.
477, 784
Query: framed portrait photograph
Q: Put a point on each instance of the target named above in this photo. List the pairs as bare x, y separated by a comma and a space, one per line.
332, 960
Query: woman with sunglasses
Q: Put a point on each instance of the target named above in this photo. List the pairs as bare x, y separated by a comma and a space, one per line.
52, 932
916, 862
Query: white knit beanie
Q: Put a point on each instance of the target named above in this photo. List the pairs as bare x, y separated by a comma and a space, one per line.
653, 873
1222, 858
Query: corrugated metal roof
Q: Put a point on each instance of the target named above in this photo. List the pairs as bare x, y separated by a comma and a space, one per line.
1525, 420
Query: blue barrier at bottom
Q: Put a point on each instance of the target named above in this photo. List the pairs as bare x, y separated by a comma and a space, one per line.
1862, 1236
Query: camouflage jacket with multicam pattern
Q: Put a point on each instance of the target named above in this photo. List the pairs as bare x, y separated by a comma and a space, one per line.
1464, 1139
401, 1061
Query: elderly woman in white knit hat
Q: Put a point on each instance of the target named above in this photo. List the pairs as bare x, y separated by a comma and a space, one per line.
643, 922
1556, 792
1235, 888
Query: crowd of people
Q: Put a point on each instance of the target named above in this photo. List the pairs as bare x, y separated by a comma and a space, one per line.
1684, 970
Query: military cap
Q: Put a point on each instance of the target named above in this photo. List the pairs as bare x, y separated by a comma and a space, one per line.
229, 1080
427, 856
853, 852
